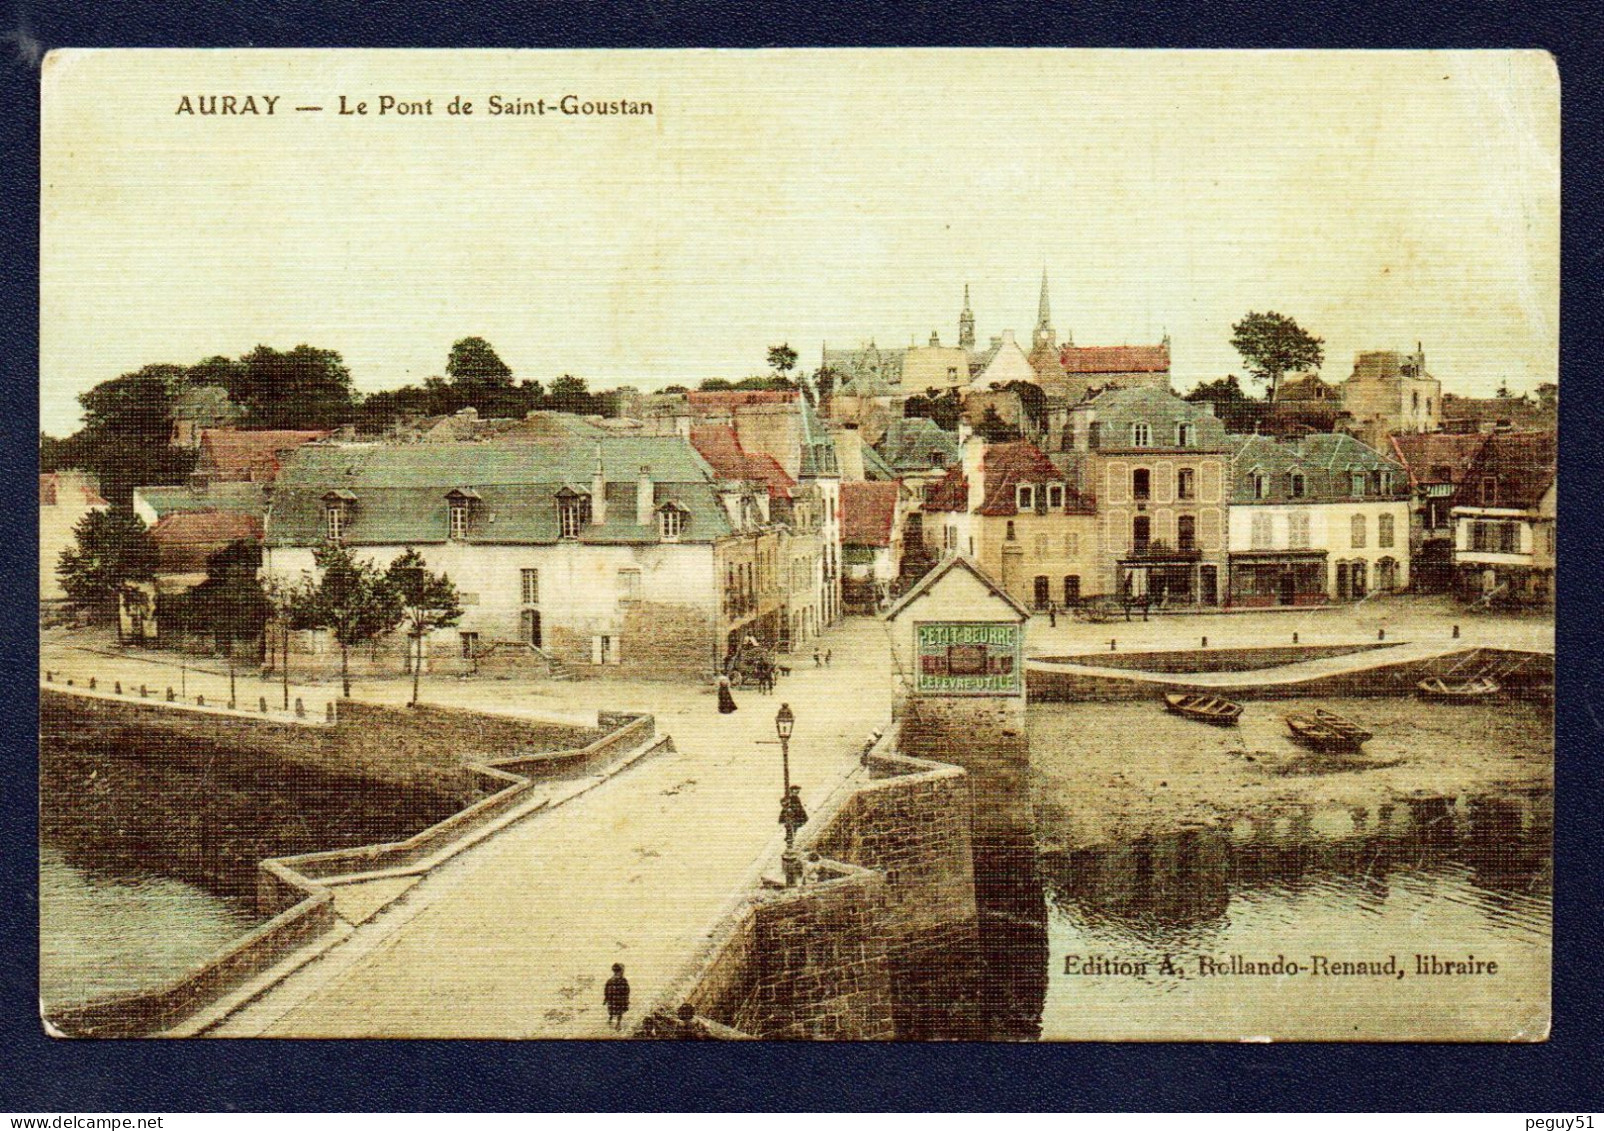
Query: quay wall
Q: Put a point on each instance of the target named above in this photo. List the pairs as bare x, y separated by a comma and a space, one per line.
888, 895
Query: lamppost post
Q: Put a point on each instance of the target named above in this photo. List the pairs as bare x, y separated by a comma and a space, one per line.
784, 723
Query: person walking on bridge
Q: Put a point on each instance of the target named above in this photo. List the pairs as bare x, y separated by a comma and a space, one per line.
616, 995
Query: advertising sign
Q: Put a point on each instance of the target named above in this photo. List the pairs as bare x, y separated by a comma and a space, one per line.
969, 658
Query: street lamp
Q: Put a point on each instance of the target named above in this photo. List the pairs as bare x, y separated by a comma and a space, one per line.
790, 810
784, 723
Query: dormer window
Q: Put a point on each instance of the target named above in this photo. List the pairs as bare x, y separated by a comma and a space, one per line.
1141, 436
573, 512
1185, 434
1356, 484
1025, 496
1261, 485
458, 503
1298, 485
1055, 496
670, 522
1489, 491
336, 514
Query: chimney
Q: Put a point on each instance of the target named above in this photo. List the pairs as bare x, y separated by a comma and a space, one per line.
644, 498
935, 338
598, 492
974, 457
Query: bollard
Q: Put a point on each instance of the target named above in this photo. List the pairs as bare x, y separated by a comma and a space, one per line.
1294, 638
262, 704
91, 683
1456, 632
171, 698
1381, 634
49, 678
143, 691
329, 714
300, 709
1112, 645
1205, 642
69, 683
117, 688
200, 700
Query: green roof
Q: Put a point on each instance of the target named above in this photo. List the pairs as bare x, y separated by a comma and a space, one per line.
1327, 461
399, 493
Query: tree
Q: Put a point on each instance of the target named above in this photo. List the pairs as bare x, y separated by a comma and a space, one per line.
428, 601
1239, 412
113, 553
351, 598
126, 433
474, 362
945, 408
230, 605
994, 429
1272, 345
716, 385
302, 388
1548, 396
782, 359
825, 379
569, 394
1032, 400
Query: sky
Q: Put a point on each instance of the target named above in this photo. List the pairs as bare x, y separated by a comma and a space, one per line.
1379, 198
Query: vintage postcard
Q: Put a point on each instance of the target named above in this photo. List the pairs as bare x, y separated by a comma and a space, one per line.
799, 544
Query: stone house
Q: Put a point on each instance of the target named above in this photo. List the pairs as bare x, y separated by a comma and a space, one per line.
619, 554
64, 498
1390, 392
1158, 468
1504, 514
873, 518
1021, 519
1322, 518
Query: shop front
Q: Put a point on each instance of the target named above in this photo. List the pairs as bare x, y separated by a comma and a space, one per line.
1283, 578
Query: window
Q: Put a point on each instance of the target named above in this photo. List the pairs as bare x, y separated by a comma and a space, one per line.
1010, 535
1055, 496
1509, 538
1416, 403
1384, 533
459, 520
1356, 484
1298, 530
1141, 436
1357, 540
1261, 485
1428, 406
1141, 533
1141, 483
1297, 485
670, 523
470, 645
1186, 532
949, 538
1489, 491
334, 521
952, 372
1262, 530
1025, 496
1548, 539
531, 586
629, 585
1072, 589
1186, 483
573, 513
1071, 545
1041, 546
1185, 434
1386, 482
938, 459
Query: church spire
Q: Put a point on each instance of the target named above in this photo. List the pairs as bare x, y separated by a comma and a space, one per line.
966, 324
1045, 336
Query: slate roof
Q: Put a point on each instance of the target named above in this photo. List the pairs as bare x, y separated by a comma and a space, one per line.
1523, 463
721, 448
909, 440
1326, 460
1003, 467
876, 468
1116, 359
868, 511
1437, 457
398, 493
1117, 409
245, 498
869, 371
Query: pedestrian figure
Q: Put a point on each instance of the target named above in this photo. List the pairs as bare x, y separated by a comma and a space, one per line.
827, 654
616, 995
726, 701
818, 660
1052, 615
792, 815
690, 1029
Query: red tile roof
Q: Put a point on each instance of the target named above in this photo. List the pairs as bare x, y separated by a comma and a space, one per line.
50, 491
1004, 466
1427, 455
721, 448
185, 539
228, 453
1116, 359
1523, 463
868, 511
724, 400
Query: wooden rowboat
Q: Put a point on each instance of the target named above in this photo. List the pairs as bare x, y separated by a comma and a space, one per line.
1458, 691
1326, 730
1204, 708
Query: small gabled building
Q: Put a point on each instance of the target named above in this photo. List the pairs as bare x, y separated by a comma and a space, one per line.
1322, 518
231, 455
1504, 515
1436, 463
873, 518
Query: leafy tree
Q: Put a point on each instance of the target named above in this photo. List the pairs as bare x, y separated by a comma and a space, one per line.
1032, 400
716, 385
304, 387
1548, 396
569, 394
126, 433
230, 605
352, 598
676, 389
773, 382
1272, 345
782, 359
825, 380
474, 362
945, 408
428, 601
112, 554
994, 429
1239, 412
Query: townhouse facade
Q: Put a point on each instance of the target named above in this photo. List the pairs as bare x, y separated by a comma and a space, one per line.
1317, 519
1505, 513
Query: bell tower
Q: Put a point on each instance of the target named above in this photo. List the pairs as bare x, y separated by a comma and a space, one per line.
1045, 334
966, 324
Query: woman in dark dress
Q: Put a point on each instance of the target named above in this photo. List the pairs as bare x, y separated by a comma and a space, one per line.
726, 701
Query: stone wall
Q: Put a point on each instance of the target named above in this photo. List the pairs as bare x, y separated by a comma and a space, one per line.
886, 912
